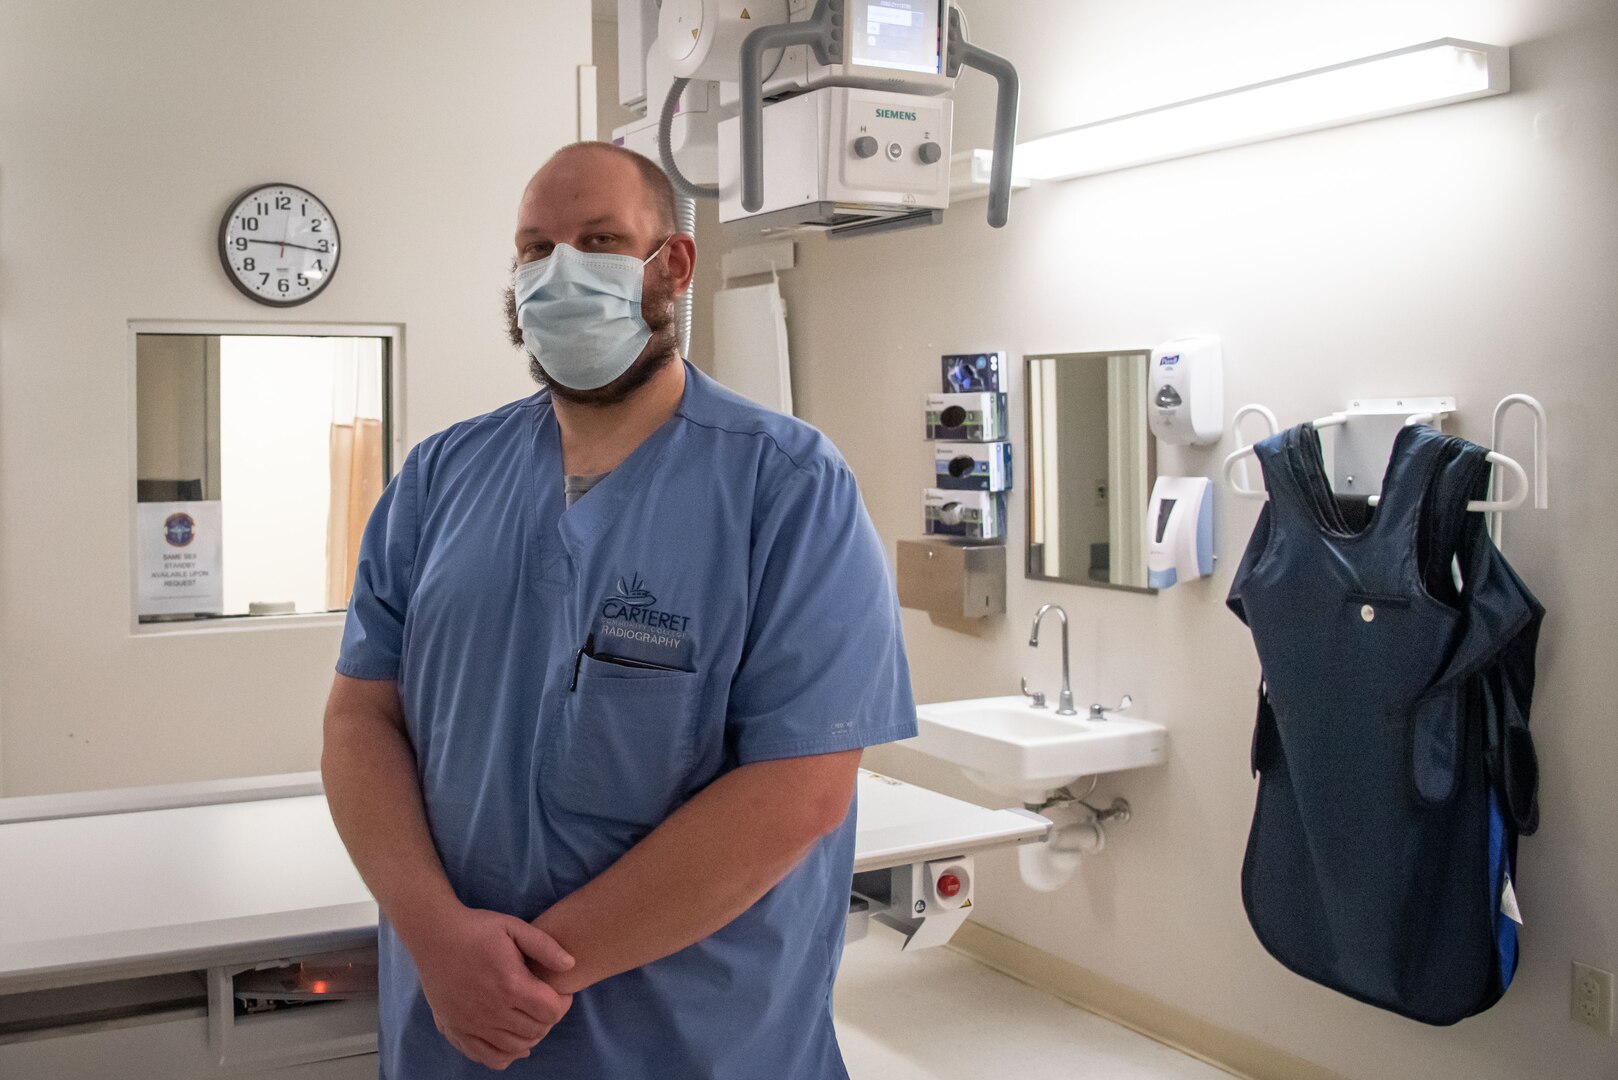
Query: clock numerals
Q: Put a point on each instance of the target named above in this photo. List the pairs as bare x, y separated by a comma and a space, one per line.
279, 244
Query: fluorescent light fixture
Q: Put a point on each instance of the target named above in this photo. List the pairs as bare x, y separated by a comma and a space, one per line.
969, 176
1437, 73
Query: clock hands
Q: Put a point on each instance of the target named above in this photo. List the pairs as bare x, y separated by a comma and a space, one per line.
278, 243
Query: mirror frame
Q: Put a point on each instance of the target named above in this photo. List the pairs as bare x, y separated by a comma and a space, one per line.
1028, 457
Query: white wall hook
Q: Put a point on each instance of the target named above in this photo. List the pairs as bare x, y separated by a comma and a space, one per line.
1246, 487
1355, 462
1542, 456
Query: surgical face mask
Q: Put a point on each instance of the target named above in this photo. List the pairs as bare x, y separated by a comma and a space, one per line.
580, 314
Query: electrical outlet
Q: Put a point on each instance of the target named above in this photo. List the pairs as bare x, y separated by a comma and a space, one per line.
1592, 997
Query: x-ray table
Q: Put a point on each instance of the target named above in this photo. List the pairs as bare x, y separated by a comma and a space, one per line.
127, 917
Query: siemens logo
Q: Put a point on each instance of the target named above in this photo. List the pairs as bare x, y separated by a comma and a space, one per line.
895, 114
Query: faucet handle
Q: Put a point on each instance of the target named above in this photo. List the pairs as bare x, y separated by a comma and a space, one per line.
1037, 695
1099, 712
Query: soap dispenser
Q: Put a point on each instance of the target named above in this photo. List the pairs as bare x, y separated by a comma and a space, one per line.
1187, 391
1179, 530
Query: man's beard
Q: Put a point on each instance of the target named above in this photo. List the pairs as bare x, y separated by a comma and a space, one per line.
662, 349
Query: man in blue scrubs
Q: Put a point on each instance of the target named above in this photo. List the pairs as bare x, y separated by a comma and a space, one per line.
612, 654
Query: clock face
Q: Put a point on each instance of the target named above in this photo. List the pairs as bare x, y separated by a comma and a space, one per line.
279, 244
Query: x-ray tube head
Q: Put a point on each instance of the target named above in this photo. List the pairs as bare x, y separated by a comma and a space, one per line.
843, 112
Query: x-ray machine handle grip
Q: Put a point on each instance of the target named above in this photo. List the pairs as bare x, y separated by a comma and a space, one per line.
963, 53
823, 33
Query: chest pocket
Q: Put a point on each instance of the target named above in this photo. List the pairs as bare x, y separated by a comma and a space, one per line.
625, 743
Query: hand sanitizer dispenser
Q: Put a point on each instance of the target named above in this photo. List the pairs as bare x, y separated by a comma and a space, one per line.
1179, 530
1186, 395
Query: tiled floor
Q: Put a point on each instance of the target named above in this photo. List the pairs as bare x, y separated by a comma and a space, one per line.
937, 1015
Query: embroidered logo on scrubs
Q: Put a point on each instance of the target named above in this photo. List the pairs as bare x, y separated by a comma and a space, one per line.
633, 595
632, 626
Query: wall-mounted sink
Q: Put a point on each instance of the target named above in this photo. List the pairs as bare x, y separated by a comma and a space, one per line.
1007, 745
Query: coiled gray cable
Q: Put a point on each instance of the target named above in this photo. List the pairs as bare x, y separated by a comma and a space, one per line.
665, 148
686, 214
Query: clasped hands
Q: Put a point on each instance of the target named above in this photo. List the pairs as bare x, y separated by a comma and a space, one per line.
484, 975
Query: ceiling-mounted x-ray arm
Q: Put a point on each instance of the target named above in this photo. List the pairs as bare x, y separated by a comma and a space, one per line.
963, 53
823, 32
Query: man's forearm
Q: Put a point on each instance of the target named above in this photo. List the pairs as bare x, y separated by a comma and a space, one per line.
725, 849
369, 770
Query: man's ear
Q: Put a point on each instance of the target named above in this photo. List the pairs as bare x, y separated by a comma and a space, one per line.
682, 251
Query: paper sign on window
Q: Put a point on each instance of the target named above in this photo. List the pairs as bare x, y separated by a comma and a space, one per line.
178, 559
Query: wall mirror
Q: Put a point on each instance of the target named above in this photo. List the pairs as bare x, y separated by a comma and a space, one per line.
258, 459
1091, 466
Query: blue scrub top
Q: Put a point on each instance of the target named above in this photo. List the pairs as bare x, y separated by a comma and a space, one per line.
732, 551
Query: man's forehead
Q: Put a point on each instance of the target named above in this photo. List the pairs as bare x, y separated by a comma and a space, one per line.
542, 218
584, 189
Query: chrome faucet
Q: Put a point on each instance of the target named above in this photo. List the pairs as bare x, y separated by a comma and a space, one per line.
1064, 701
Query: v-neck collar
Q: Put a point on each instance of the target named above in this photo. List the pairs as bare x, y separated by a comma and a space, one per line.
570, 532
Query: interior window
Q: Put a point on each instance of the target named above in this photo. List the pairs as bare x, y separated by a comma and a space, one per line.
258, 460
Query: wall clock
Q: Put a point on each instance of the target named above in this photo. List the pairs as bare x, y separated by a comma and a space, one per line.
279, 245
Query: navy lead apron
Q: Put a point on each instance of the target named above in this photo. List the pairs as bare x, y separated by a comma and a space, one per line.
1392, 748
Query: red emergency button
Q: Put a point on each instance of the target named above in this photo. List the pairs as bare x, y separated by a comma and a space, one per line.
948, 885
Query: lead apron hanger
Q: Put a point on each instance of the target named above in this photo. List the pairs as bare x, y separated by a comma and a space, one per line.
1366, 430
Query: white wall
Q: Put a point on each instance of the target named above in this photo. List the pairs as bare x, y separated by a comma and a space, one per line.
125, 131
1450, 251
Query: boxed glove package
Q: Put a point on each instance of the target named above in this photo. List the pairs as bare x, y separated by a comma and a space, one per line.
969, 372
963, 466
967, 417
975, 515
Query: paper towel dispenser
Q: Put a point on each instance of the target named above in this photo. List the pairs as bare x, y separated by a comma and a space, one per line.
954, 579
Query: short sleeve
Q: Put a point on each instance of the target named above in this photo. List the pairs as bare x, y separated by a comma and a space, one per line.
824, 668
373, 635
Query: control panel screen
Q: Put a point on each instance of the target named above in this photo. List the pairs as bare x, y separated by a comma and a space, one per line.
901, 35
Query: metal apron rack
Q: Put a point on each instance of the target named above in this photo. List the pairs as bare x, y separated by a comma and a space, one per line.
1365, 434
